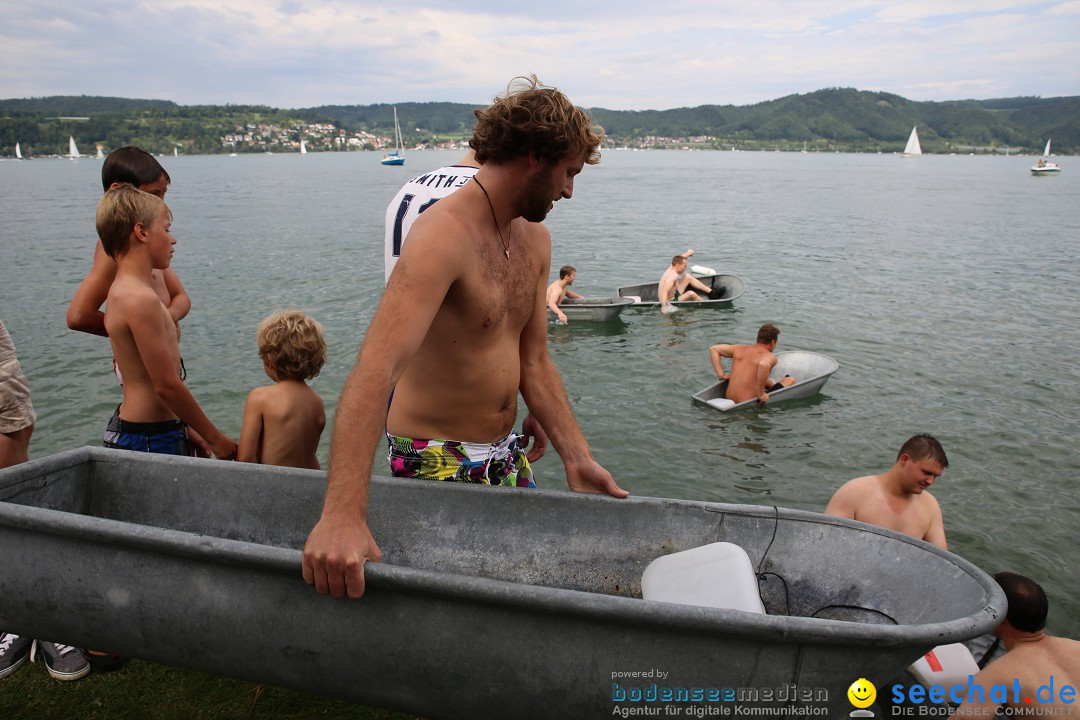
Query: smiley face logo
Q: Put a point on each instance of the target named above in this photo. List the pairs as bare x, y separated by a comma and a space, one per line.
862, 693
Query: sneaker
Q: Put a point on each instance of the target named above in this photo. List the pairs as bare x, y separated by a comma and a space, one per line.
62, 661
13, 652
103, 661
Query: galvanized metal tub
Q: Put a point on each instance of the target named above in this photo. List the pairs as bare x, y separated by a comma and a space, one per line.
647, 294
810, 370
490, 602
595, 309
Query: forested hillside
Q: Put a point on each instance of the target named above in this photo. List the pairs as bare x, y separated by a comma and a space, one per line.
834, 119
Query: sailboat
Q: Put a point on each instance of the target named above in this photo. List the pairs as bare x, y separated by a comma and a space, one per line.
1044, 166
73, 151
18, 152
395, 158
100, 154
913, 148
303, 147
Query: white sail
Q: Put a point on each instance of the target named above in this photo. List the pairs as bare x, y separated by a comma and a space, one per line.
395, 158
1045, 166
18, 151
397, 131
175, 152
303, 147
73, 151
913, 147
100, 154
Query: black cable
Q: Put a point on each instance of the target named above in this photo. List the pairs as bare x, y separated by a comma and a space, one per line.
776, 523
890, 618
787, 592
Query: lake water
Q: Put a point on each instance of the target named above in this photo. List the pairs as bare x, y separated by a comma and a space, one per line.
946, 288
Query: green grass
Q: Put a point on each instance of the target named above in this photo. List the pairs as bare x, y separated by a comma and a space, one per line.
149, 691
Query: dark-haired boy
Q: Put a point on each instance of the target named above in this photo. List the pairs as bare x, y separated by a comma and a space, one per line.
897, 498
157, 408
136, 167
1040, 672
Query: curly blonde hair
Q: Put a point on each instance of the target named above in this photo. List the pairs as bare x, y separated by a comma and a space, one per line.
291, 342
531, 117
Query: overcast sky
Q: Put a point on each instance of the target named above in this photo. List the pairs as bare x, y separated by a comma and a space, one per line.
625, 55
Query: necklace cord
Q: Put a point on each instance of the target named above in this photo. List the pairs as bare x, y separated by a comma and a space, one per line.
509, 231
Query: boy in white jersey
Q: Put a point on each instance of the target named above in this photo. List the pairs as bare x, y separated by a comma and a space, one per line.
415, 197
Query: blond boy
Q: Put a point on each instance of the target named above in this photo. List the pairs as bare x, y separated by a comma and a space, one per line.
283, 422
158, 408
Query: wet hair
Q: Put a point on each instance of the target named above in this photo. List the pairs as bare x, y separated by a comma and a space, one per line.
131, 165
677, 259
1028, 605
118, 212
532, 118
924, 446
767, 333
565, 270
291, 342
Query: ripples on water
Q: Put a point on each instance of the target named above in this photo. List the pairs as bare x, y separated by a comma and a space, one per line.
944, 286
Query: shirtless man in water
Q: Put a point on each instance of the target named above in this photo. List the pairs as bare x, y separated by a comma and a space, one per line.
750, 367
675, 283
897, 499
461, 327
1040, 665
560, 290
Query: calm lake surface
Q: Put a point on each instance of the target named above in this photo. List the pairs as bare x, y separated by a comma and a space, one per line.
946, 288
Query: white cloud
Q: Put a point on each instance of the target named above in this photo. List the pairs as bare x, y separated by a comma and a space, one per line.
625, 55
1065, 8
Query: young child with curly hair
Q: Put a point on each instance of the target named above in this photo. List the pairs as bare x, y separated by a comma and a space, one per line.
283, 422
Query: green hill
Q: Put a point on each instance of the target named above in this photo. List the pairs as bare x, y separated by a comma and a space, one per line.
841, 119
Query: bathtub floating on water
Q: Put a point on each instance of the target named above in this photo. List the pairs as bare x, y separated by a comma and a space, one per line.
810, 370
489, 602
593, 309
648, 294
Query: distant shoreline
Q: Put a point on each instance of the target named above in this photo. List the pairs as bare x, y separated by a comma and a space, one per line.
831, 120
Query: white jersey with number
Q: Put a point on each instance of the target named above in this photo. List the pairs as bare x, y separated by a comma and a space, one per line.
415, 197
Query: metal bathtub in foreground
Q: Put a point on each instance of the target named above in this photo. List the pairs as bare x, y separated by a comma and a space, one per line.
489, 602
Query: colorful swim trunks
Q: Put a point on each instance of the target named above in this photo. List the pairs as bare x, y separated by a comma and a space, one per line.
500, 463
169, 437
